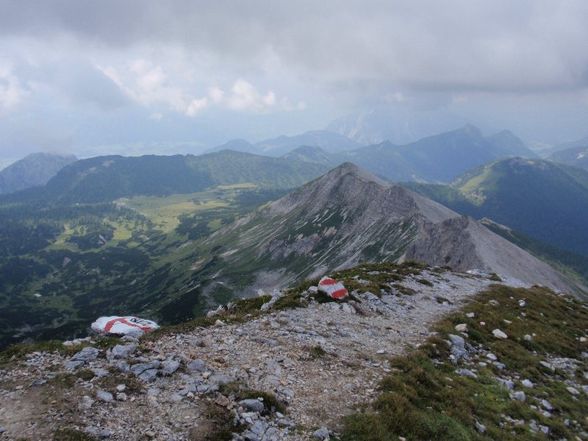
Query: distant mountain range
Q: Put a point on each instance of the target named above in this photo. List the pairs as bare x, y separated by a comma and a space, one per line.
330, 142
544, 200
106, 178
439, 158
32, 171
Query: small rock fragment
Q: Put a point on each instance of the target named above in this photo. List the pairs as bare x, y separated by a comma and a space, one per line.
466, 373
462, 327
321, 434
546, 405
527, 383
122, 351
168, 367
252, 405
499, 334
105, 396
196, 366
519, 396
573, 390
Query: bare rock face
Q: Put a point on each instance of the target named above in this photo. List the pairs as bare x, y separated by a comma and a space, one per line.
465, 244
349, 216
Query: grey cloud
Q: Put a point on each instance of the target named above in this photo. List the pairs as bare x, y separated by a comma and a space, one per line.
520, 64
82, 83
503, 46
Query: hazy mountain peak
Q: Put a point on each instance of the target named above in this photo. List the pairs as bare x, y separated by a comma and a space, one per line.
33, 170
349, 168
237, 145
470, 130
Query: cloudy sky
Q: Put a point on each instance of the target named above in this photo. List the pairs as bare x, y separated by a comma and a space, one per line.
134, 76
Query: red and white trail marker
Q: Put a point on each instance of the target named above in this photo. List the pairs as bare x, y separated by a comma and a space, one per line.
332, 288
123, 325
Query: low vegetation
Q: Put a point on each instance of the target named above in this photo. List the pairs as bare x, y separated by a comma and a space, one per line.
67, 434
426, 398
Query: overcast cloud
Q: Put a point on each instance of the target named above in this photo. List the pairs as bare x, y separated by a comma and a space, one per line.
100, 76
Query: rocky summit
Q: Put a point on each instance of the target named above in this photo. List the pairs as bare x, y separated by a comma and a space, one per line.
292, 366
348, 216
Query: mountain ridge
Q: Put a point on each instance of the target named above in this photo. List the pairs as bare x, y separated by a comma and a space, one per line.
348, 216
107, 178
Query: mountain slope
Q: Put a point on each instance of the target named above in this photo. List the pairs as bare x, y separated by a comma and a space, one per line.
574, 156
107, 178
349, 216
541, 199
32, 171
507, 143
314, 155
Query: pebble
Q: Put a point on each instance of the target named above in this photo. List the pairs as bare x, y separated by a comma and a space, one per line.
546, 405
252, 405
168, 367
499, 334
321, 434
519, 396
122, 351
148, 376
462, 327
547, 365
196, 366
527, 383
466, 373
573, 390
105, 396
